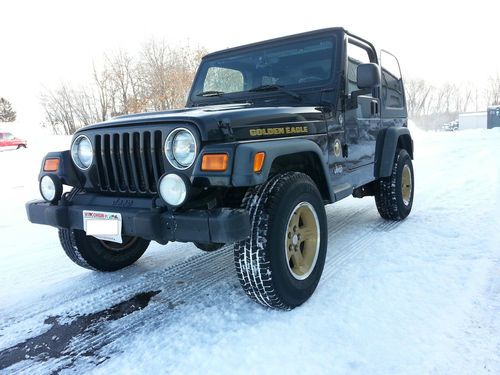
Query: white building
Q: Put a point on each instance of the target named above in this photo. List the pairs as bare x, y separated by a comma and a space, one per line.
472, 120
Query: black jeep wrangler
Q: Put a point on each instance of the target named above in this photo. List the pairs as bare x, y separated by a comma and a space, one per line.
271, 133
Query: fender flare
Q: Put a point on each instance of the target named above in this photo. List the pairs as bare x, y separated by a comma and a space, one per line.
66, 171
387, 143
243, 174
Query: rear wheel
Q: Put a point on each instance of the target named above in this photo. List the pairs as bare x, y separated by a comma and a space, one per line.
394, 194
21, 146
280, 264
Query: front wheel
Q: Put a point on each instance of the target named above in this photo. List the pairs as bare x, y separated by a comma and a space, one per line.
394, 194
281, 262
92, 253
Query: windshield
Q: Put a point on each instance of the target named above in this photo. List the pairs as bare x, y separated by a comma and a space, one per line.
293, 64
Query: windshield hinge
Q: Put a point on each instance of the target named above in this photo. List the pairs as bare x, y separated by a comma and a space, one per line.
226, 130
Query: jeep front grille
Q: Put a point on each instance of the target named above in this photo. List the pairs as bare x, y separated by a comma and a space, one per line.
130, 162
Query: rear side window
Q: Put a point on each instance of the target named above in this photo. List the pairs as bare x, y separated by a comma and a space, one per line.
393, 98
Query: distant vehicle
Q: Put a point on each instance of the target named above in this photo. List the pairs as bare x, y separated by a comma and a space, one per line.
10, 142
451, 126
493, 117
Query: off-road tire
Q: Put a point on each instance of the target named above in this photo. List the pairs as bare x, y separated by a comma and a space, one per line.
91, 253
261, 260
389, 191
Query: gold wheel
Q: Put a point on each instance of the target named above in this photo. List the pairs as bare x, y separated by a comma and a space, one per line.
127, 243
302, 240
406, 185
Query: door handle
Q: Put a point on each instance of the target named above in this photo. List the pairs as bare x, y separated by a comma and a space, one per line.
374, 107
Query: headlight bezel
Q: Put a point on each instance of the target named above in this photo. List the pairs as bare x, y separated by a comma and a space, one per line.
169, 149
75, 155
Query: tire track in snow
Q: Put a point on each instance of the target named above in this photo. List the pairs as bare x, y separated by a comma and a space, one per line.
156, 313
110, 294
202, 271
100, 295
94, 283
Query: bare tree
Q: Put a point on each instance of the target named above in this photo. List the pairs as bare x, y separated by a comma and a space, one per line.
105, 91
168, 73
493, 90
418, 95
123, 77
466, 97
158, 78
60, 114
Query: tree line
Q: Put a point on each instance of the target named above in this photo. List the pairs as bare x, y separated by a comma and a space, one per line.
156, 78
431, 105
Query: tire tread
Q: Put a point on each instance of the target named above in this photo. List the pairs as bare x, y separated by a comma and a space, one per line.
252, 262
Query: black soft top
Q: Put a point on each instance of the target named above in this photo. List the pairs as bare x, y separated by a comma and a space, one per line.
269, 41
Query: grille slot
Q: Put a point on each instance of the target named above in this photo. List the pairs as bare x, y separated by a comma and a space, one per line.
129, 162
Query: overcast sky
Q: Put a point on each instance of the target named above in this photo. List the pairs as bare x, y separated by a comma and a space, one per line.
47, 42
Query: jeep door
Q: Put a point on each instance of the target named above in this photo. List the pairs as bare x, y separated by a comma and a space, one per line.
361, 116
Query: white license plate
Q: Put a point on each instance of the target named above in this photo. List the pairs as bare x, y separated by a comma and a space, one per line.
105, 226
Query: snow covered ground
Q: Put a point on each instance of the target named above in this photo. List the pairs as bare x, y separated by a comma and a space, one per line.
417, 297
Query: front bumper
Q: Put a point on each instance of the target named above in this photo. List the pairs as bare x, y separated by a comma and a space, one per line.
222, 225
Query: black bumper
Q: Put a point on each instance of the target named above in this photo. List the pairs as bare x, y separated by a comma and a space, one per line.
223, 225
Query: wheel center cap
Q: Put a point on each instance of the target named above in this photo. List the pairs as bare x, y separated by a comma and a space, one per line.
295, 239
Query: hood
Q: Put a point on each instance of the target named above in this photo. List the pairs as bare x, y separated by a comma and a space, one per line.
245, 120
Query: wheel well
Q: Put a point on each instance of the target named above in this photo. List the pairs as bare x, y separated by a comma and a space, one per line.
405, 142
308, 163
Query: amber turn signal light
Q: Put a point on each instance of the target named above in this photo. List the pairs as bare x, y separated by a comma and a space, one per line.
258, 161
51, 165
214, 162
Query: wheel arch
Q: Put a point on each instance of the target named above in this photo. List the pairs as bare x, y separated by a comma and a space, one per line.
388, 141
286, 155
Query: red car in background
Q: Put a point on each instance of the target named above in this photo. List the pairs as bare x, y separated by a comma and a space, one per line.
9, 142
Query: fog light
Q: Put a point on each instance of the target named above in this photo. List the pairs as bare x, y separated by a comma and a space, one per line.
173, 189
50, 188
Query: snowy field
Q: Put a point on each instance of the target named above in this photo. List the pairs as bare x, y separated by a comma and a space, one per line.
417, 297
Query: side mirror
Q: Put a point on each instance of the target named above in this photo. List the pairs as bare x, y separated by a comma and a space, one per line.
368, 76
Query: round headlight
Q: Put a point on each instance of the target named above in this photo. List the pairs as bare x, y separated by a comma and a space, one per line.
180, 148
173, 189
81, 152
50, 188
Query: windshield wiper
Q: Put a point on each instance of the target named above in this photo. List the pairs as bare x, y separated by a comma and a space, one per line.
211, 93
276, 88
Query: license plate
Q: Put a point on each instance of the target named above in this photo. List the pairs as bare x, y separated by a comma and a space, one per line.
105, 226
